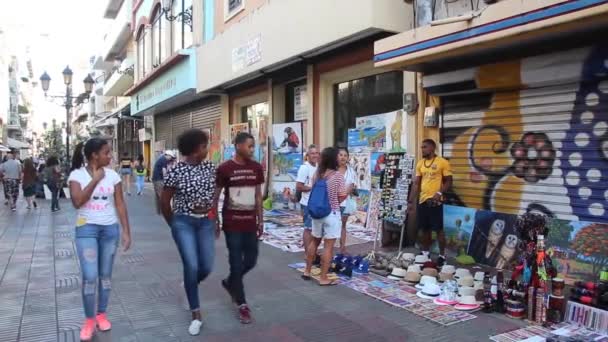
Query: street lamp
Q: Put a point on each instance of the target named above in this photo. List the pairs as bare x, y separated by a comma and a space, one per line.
69, 100
186, 15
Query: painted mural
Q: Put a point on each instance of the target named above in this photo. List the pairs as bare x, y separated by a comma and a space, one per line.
543, 148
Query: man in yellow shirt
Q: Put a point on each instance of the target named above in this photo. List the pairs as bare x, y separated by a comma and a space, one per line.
433, 179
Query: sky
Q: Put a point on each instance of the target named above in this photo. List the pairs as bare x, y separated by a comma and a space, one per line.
56, 33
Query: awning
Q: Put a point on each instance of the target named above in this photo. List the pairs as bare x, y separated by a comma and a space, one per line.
505, 30
4, 148
14, 143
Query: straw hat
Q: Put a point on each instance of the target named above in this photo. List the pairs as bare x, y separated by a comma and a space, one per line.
412, 278
448, 269
479, 276
429, 291
414, 268
466, 303
430, 272
426, 280
408, 256
445, 276
421, 259
466, 291
466, 281
397, 273
461, 272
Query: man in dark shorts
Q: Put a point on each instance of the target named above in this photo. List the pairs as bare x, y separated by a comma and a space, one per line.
242, 216
433, 179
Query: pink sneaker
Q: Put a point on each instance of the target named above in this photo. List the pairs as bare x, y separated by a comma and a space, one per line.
102, 322
88, 330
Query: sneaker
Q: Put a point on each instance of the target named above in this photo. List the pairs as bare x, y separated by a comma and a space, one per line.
102, 322
227, 288
88, 330
244, 314
35, 205
14, 209
195, 327
440, 261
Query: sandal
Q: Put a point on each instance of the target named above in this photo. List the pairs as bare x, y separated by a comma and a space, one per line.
331, 283
306, 276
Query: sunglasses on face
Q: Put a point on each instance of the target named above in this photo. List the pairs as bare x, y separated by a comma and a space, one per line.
102, 197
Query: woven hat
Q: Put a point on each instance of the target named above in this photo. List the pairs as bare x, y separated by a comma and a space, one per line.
430, 272
445, 276
414, 268
397, 274
461, 272
466, 291
466, 303
479, 276
425, 280
412, 278
429, 291
421, 259
448, 269
466, 281
478, 285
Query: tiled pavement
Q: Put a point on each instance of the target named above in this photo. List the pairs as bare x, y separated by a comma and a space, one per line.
40, 292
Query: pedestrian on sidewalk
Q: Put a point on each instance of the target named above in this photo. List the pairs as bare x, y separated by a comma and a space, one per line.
306, 173
126, 170
4, 184
328, 191
30, 176
11, 169
190, 185
242, 216
140, 176
433, 180
158, 175
54, 179
96, 193
350, 179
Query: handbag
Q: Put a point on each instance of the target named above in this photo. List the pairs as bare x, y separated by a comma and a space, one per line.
350, 205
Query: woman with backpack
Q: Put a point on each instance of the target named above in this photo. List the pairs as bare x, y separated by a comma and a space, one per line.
328, 191
140, 176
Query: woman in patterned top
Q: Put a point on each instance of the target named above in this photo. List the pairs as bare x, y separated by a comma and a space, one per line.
190, 184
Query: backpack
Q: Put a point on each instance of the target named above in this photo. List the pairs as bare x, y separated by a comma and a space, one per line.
318, 203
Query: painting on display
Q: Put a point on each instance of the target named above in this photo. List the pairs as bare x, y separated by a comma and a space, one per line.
238, 128
372, 137
458, 224
215, 145
283, 195
395, 129
361, 163
373, 217
229, 151
494, 241
287, 137
579, 249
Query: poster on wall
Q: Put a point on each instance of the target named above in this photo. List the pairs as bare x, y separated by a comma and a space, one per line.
494, 241
458, 224
579, 249
300, 103
238, 128
360, 162
395, 129
287, 137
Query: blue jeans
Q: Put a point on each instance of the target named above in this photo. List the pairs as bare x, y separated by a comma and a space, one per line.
54, 188
306, 217
139, 183
96, 246
195, 240
242, 256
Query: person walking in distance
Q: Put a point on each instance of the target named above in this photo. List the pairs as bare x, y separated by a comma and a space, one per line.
158, 175
11, 170
140, 177
242, 216
350, 179
96, 193
53, 179
126, 170
433, 180
327, 192
306, 173
190, 185
4, 185
29, 183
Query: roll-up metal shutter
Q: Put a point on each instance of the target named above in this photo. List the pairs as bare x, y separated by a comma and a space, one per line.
205, 116
162, 129
180, 122
541, 149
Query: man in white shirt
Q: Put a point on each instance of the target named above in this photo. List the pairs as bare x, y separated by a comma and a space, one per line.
11, 170
304, 180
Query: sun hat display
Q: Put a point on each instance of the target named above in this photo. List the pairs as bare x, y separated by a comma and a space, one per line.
478, 285
421, 259
448, 294
444, 277
412, 278
479, 276
397, 274
426, 280
408, 256
429, 291
414, 268
461, 272
430, 272
466, 291
466, 303
466, 281
448, 269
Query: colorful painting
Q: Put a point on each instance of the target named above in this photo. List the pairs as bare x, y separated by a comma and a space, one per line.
285, 166
535, 149
377, 163
578, 249
494, 241
215, 143
238, 128
374, 137
284, 195
458, 224
229, 151
361, 162
287, 138
395, 126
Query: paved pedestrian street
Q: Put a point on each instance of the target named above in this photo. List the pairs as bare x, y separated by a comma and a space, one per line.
40, 292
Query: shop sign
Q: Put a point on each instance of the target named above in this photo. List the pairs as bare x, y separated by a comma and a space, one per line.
247, 54
300, 103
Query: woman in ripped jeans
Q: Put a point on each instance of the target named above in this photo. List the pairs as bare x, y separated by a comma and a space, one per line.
190, 184
96, 193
